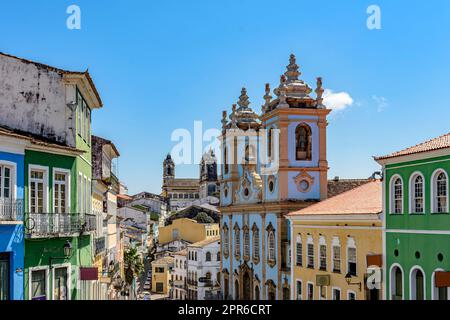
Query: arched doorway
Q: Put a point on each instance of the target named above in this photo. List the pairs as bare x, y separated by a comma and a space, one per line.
236, 290
286, 293
396, 283
246, 287
226, 289
417, 286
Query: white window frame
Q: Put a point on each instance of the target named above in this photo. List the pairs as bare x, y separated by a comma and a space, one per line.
392, 281
297, 281
271, 252
80, 192
351, 244
412, 289
336, 243
69, 278
33, 167
12, 178
412, 193
313, 290
320, 293
333, 289
67, 183
47, 281
255, 243
246, 241
309, 241
433, 201
351, 292
298, 241
392, 194
434, 293
322, 242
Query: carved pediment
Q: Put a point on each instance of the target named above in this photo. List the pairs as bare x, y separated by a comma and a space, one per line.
304, 181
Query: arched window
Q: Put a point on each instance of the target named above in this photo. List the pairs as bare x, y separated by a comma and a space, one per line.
208, 256
396, 195
237, 242
236, 290
396, 280
310, 252
226, 241
255, 243
269, 143
417, 284
271, 244
416, 194
303, 142
440, 192
218, 256
256, 297
246, 242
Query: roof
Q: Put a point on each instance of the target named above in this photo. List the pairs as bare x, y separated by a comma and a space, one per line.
124, 196
37, 140
104, 141
440, 142
339, 186
61, 71
163, 260
205, 242
365, 199
181, 252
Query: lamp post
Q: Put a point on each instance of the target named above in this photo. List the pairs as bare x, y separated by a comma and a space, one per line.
348, 279
67, 250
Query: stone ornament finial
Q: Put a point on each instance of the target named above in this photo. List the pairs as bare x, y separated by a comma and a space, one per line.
243, 99
233, 116
282, 93
268, 98
292, 72
224, 119
319, 92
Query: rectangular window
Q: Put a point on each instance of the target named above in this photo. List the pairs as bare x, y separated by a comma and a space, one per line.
80, 193
310, 255
299, 290
86, 196
60, 285
352, 261
79, 111
60, 186
336, 294
5, 182
310, 291
299, 257
37, 191
38, 285
88, 125
351, 295
323, 292
323, 257
336, 259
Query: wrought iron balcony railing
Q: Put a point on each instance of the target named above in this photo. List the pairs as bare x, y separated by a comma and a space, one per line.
11, 210
100, 245
58, 224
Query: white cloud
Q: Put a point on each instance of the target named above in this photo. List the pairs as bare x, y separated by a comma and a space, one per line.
337, 100
381, 102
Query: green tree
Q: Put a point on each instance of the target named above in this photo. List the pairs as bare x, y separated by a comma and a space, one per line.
133, 265
202, 217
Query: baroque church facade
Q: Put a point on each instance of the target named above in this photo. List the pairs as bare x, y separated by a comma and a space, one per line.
274, 163
184, 192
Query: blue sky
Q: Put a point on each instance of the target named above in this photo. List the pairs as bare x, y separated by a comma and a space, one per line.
161, 65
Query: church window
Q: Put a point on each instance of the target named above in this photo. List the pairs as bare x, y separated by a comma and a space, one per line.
303, 142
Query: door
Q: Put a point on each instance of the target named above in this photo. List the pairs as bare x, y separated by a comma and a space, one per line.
6, 206
61, 284
4, 276
246, 287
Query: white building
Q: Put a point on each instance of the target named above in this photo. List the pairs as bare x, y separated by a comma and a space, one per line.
179, 276
203, 269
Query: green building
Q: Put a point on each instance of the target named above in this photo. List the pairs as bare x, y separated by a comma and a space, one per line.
417, 221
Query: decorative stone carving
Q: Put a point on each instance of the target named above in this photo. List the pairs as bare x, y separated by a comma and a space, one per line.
303, 181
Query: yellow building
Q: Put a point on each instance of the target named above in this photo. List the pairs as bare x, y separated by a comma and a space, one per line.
188, 230
334, 242
161, 275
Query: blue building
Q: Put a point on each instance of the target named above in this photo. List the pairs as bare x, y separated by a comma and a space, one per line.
274, 163
11, 215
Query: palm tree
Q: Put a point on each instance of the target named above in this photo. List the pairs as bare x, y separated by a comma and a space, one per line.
133, 265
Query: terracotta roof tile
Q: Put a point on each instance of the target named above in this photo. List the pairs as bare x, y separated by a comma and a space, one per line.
365, 199
430, 145
205, 242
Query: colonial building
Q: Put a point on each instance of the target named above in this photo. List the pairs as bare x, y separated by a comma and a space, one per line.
52, 107
203, 269
104, 202
161, 270
417, 221
183, 192
334, 242
274, 163
179, 276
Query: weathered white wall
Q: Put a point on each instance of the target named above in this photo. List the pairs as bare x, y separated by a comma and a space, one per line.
34, 99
